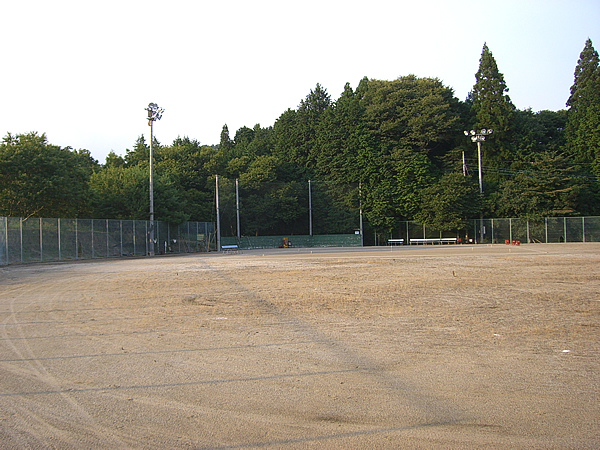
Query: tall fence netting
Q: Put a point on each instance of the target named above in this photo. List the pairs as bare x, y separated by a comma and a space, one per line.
42, 239
546, 230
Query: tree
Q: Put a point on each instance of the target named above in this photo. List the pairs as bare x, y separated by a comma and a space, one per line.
122, 193
538, 132
269, 206
446, 205
141, 152
286, 140
114, 160
583, 116
409, 123
310, 112
547, 186
492, 107
225, 144
186, 164
43, 180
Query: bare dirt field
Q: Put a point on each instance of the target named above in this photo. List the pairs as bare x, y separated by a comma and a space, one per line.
429, 347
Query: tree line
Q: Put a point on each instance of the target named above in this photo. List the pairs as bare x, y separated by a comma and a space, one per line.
395, 149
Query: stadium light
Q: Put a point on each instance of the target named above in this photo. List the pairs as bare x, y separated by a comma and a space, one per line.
155, 112
479, 137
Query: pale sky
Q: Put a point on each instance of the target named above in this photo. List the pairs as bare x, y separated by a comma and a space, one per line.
83, 72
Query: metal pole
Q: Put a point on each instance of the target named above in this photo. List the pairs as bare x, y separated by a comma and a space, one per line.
362, 242
479, 158
480, 191
21, 236
59, 249
151, 192
218, 218
237, 207
310, 230
6, 239
41, 242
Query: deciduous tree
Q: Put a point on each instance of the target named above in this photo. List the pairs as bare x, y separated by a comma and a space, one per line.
43, 180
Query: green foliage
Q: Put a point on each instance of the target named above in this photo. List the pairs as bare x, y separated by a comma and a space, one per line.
43, 180
538, 132
547, 186
447, 204
583, 116
186, 165
492, 107
114, 160
120, 193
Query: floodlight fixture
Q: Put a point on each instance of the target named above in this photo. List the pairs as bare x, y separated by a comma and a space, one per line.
155, 112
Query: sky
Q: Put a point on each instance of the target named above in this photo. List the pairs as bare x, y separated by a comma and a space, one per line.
83, 72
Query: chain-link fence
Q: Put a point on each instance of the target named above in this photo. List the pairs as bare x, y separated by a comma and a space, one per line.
549, 229
498, 231
39, 240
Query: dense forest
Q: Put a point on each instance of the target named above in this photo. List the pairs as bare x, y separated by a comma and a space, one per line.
396, 149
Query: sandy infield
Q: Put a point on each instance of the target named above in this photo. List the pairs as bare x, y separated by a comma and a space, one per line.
429, 347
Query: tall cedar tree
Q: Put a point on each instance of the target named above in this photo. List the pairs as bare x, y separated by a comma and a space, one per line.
583, 116
492, 107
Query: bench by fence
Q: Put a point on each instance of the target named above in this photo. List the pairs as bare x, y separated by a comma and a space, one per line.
396, 241
434, 241
230, 248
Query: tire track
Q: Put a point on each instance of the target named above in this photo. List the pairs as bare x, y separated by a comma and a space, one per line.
26, 413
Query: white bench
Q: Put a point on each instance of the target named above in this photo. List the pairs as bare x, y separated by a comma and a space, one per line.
230, 248
395, 241
433, 241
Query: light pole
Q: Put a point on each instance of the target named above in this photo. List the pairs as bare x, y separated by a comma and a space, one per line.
154, 113
479, 137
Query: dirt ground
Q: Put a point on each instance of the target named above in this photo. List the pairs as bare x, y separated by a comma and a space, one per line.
404, 347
